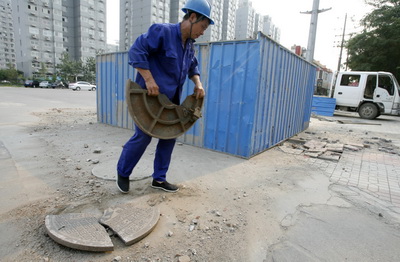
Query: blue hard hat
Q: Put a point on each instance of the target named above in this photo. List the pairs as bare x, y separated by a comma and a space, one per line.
202, 7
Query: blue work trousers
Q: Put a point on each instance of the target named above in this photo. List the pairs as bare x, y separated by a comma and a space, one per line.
134, 149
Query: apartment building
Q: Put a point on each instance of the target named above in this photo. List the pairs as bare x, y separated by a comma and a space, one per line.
7, 48
269, 29
228, 19
136, 16
277, 34
44, 29
223, 14
176, 14
249, 22
84, 27
245, 20
214, 32
258, 24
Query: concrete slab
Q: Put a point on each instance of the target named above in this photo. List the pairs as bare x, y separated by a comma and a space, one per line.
312, 154
291, 150
335, 147
360, 146
108, 170
315, 144
352, 148
131, 223
78, 231
330, 156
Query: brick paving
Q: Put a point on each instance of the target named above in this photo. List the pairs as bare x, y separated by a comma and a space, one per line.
377, 173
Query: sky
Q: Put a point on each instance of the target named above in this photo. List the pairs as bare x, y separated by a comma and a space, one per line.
294, 26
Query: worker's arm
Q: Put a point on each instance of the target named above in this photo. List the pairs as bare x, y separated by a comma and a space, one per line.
198, 87
151, 85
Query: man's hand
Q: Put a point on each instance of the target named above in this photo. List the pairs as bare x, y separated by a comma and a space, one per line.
152, 88
151, 85
199, 91
198, 87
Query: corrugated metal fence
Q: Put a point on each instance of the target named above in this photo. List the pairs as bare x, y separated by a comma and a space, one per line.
257, 94
324, 106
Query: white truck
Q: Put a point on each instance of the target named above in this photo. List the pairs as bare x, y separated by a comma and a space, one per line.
371, 94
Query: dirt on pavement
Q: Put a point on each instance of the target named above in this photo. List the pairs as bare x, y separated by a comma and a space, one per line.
228, 208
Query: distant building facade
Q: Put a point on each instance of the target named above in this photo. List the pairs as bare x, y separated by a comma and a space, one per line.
41, 30
136, 16
7, 45
112, 48
214, 32
228, 19
85, 21
176, 14
258, 24
245, 20
44, 29
249, 23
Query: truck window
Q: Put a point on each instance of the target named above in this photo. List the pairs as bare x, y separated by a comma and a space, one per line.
370, 87
386, 83
350, 80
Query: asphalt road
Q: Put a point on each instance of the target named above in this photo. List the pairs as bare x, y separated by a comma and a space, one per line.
17, 103
16, 146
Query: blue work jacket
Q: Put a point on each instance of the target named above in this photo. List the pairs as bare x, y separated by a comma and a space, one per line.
161, 51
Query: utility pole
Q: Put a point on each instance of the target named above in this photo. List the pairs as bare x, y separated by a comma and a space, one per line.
341, 45
313, 29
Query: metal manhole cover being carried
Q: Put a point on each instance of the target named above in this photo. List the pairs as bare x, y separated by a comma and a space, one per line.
157, 116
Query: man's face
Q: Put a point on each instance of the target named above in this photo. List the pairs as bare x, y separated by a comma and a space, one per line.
199, 27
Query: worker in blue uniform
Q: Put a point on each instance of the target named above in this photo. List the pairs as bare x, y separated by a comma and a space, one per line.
164, 57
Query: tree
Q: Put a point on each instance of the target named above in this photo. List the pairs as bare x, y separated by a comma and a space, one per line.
10, 74
89, 70
69, 69
377, 47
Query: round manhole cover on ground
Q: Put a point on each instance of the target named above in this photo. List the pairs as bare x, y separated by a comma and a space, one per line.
131, 223
78, 231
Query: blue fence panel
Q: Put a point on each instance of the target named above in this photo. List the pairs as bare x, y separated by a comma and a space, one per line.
257, 94
324, 106
285, 89
112, 72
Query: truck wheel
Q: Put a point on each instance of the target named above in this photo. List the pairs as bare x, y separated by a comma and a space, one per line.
368, 111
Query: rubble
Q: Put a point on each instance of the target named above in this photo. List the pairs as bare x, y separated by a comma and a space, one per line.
322, 148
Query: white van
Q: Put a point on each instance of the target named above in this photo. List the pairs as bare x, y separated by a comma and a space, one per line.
371, 94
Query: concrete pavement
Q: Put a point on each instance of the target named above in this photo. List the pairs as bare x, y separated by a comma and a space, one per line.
374, 172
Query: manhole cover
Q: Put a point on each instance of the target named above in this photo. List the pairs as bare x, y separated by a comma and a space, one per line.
78, 231
131, 223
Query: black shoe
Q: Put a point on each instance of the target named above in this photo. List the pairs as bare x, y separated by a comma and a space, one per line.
123, 183
164, 186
